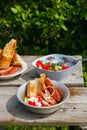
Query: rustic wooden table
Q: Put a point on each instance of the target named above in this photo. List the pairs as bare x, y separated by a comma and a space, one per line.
72, 113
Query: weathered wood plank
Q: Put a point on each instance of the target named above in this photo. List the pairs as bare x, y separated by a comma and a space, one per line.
73, 112
76, 79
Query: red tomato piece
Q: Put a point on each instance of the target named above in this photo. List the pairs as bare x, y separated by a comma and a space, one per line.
39, 63
42, 104
31, 103
65, 67
39, 98
46, 67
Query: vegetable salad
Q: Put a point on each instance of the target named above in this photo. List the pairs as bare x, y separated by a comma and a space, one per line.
53, 65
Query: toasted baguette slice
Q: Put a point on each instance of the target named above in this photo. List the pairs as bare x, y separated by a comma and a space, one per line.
7, 54
42, 80
16, 60
33, 88
0, 51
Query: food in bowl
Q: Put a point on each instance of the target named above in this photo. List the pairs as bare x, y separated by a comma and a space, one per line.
10, 61
55, 66
52, 64
42, 92
49, 102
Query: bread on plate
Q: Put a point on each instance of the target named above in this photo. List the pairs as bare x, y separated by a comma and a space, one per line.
7, 54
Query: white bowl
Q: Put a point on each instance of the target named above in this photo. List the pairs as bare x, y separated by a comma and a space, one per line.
57, 75
44, 110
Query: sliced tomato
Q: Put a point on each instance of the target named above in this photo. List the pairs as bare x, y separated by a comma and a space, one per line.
46, 67
40, 100
65, 67
42, 104
31, 103
39, 63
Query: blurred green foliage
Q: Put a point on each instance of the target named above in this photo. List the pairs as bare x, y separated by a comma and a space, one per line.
40, 128
42, 27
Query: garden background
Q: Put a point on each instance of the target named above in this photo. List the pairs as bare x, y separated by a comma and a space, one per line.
44, 27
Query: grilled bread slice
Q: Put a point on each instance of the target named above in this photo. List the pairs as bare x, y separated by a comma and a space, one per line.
16, 60
33, 88
0, 51
7, 54
42, 80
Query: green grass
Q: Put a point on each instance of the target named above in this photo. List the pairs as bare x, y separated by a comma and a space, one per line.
30, 127
41, 127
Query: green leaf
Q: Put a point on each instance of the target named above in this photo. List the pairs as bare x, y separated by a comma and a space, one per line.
38, 23
37, 12
19, 8
56, 16
23, 16
14, 10
64, 27
45, 31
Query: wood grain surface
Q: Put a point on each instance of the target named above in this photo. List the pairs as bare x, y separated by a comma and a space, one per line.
76, 79
73, 112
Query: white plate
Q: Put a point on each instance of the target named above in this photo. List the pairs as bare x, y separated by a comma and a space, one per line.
22, 70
